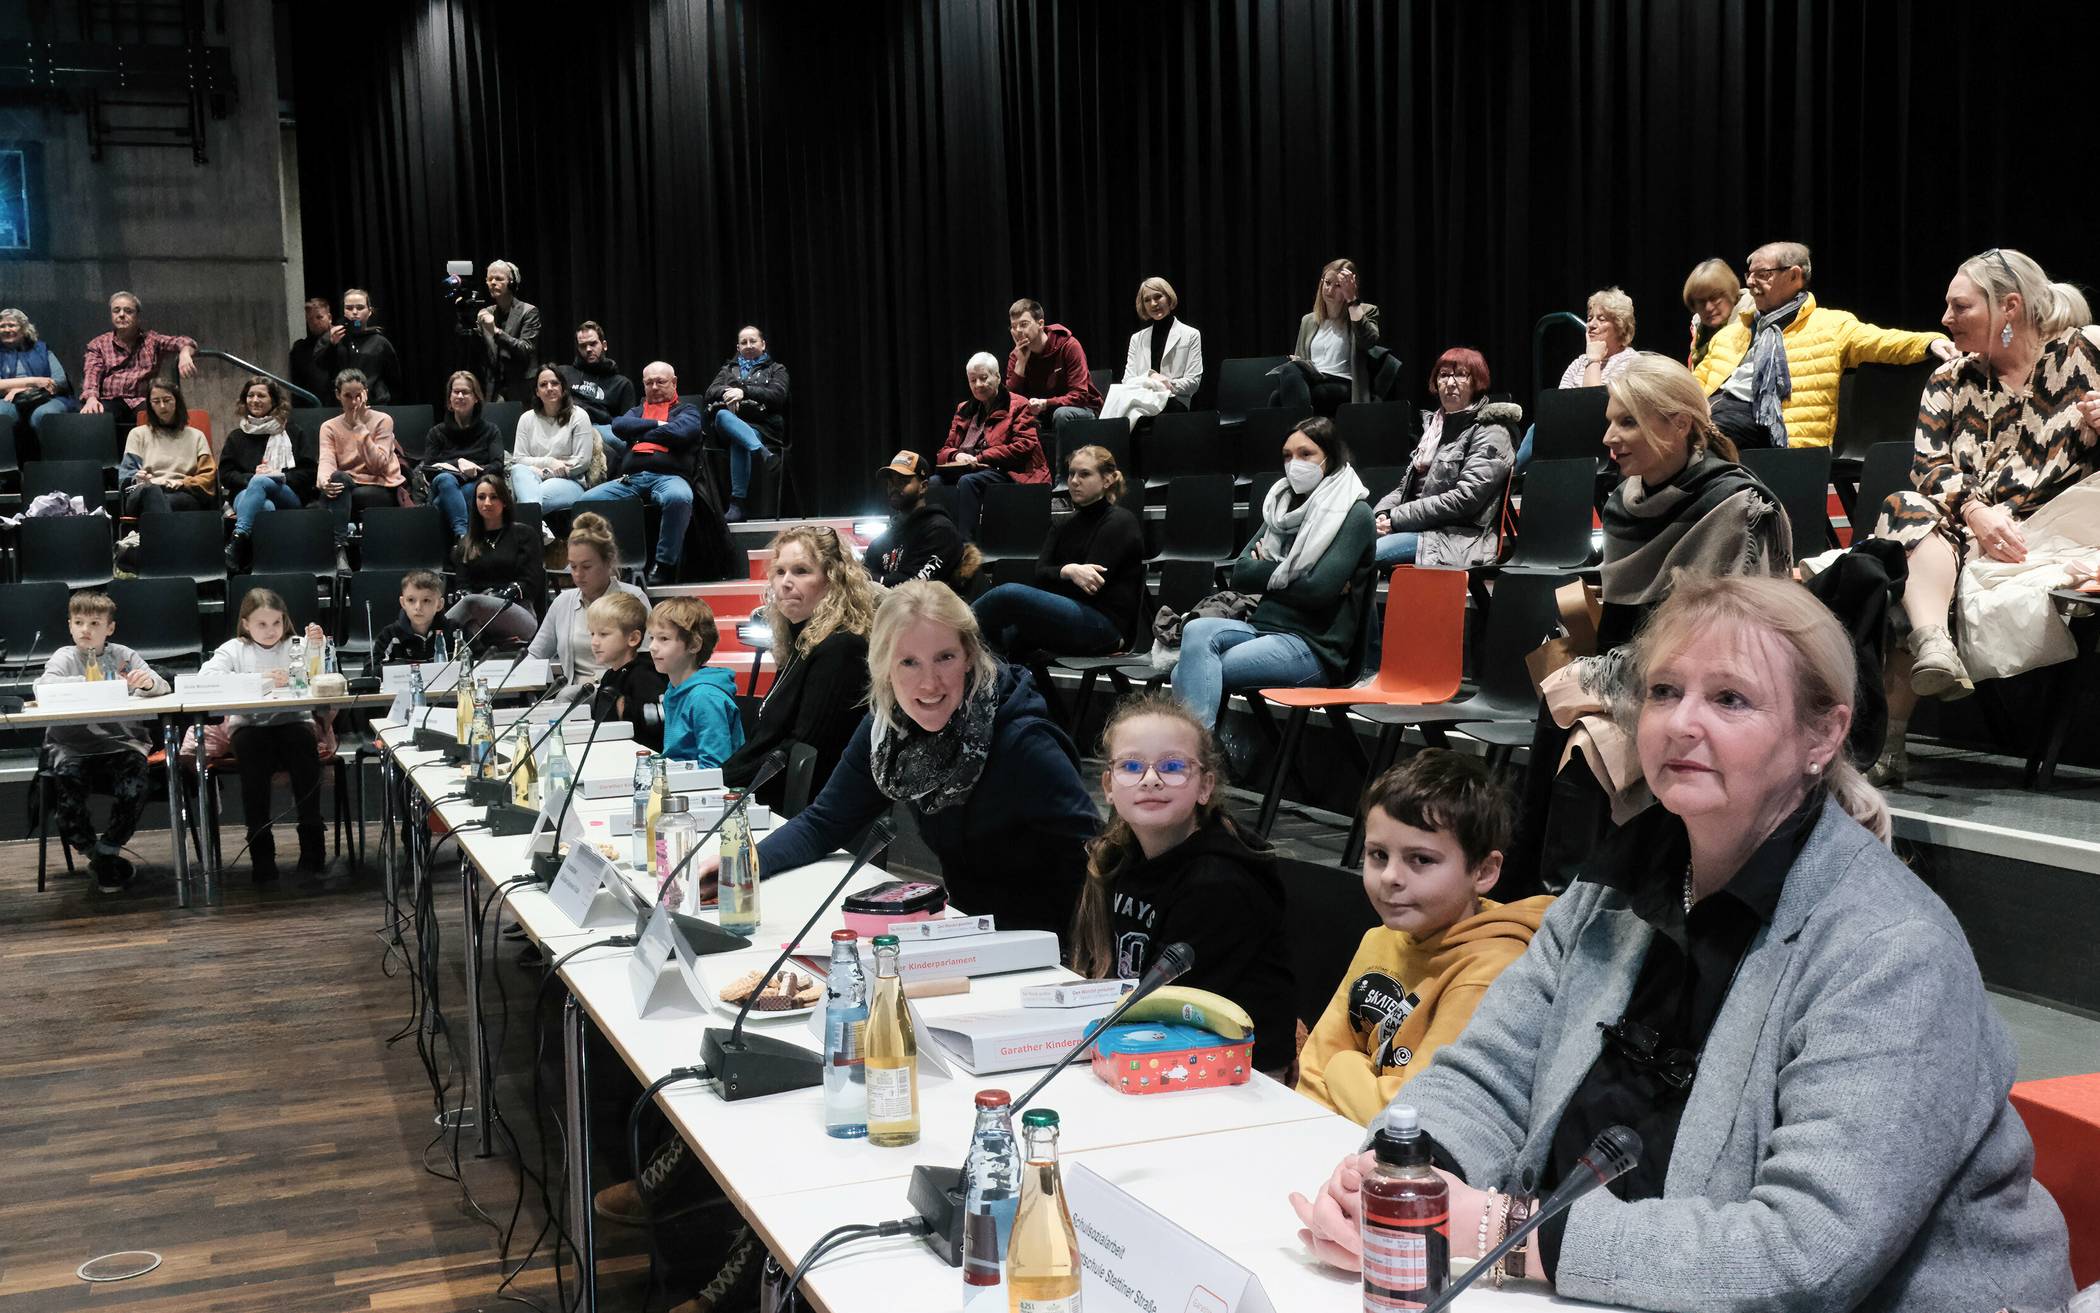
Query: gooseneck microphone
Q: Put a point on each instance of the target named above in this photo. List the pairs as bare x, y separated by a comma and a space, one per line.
748, 1066
936, 1193
490, 790
1614, 1152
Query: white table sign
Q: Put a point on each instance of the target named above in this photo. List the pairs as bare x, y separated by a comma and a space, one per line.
1133, 1258
587, 891
661, 971
85, 695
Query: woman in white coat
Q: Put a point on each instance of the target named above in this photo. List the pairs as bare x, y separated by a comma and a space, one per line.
1165, 364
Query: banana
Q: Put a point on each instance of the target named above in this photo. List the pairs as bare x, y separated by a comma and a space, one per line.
1195, 1007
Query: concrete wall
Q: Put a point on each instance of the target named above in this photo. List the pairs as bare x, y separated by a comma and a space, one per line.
203, 246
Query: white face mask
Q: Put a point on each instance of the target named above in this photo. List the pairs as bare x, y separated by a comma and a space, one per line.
1303, 475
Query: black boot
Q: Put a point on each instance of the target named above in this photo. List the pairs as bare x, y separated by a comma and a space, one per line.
262, 857
313, 846
239, 551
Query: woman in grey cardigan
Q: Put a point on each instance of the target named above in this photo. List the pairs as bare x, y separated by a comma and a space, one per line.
1331, 361
1790, 1021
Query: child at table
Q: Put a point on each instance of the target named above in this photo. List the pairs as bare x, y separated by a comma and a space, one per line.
106, 757
701, 720
413, 634
1435, 828
630, 689
1173, 866
270, 741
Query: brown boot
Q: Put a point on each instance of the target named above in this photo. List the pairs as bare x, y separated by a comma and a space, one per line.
621, 1204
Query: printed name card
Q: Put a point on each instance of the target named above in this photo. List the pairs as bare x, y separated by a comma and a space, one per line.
1132, 1257
81, 694
661, 971
586, 890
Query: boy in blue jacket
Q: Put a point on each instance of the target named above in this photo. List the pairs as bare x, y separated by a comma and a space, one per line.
701, 720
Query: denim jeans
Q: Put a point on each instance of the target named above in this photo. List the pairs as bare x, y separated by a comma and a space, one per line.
1219, 656
969, 496
448, 492
530, 487
743, 442
1021, 618
669, 493
1531, 432
1062, 416
1397, 549
264, 493
354, 499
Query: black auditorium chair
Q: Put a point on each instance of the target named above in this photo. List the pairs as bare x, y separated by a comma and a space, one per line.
1800, 478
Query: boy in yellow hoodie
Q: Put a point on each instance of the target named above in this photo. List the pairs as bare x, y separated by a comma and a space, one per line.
1434, 831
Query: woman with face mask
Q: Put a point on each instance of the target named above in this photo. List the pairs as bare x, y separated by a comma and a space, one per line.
1313, 551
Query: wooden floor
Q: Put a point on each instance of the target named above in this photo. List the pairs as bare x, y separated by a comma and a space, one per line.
219, 1087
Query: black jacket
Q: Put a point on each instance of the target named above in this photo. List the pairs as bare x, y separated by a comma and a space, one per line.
512, 555
1109, 536
1016, 848
601, 389
634, 693
764, 406
448, 444
370, 354
816, 699
1225, 901
923, 545
242, 452
306, 369
397, 642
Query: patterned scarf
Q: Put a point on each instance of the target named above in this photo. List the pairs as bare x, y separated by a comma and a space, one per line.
744, 367
934, 771
1771, 382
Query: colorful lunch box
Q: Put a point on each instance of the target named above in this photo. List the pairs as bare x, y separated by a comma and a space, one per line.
874, 909
1150, 1057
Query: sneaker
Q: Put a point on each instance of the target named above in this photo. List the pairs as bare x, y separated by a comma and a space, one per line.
734, 514
531, 957
111, 872
621, 1204
1936, 669
735, 1285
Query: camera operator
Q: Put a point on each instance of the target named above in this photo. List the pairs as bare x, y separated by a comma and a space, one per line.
357, 343
510, 334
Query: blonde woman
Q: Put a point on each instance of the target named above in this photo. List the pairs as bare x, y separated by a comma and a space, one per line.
1331, 362
1089, 589
1165, 364
1608, 341
820, 606
1711, 293
967, 744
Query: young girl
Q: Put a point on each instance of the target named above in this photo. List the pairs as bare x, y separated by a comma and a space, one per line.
271, 741
701, 720
1172, 866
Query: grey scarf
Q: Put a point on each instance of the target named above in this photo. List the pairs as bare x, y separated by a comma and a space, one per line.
1771, 382
934, 771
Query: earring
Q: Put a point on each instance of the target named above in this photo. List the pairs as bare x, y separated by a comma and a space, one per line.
1815, 768
2005, 334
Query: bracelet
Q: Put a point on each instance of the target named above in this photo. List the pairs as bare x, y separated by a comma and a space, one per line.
1501, 1232
1481, 1240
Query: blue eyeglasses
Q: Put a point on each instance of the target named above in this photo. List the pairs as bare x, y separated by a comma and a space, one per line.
1173, 771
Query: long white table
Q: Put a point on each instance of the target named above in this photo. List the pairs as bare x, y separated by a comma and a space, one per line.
1219, 1163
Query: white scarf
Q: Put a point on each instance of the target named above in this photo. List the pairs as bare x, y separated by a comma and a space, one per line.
277, 445
1315, 521
1432, 434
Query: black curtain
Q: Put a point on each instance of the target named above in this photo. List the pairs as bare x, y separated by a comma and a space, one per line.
873, 184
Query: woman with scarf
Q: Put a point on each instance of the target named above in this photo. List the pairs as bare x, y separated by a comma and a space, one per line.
1444, 512
992, 439
747, 409
969, 745
2011, 423
1684, 504
1165, 364
1312, 553
265, 464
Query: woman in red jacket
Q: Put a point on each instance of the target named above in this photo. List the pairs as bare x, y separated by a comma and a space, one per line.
991, 440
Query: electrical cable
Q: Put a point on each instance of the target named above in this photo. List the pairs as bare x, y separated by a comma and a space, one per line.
839, 1235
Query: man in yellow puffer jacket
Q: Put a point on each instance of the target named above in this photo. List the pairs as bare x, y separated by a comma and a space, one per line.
1821, 344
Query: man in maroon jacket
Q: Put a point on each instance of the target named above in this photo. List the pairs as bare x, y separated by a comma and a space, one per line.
1048, 368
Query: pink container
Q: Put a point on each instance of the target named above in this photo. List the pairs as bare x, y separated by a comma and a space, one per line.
874, 910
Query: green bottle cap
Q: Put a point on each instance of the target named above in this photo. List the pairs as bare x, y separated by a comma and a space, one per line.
1039, 1117
885, 941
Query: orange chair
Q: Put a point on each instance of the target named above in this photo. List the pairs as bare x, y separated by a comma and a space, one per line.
199, 419
1422, 660
2063, 1120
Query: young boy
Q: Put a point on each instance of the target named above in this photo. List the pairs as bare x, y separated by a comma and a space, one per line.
701, 720
630, 689
1434, 831
412, 637
109, 757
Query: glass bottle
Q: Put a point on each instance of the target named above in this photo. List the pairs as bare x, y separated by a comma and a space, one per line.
327, 656
659, 790
991, 1196
845, 1032
558, 776
643, 777
892, 1056
481, 732
437, 648
524, 771
1042, 1260
736, 878
1406, 1219
91, 667
463, 696
300, 677
417, 696
677, 833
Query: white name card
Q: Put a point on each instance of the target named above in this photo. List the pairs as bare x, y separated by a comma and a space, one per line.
222, 686
1132, 1257
661, 971
586, 891
686, 777
81, 694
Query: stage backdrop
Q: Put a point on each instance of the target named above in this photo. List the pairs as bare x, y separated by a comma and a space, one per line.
874, 183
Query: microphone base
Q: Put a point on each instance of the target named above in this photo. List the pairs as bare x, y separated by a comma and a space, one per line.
430, 740
506, 820
545, 866
750, 1066
359, 685
490, 792
936, 1194
705, 937
459, 754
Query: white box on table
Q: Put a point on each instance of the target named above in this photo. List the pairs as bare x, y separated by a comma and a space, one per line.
977, 955
72, 693
222, 686
1009, 1039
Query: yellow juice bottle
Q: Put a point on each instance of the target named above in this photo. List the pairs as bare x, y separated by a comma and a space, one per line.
890, 1056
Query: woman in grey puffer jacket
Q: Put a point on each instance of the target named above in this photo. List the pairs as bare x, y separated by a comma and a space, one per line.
1444, 513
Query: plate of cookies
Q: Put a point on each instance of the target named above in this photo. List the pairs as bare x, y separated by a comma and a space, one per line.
791, 993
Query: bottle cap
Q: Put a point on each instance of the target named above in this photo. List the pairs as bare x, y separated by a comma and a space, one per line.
1039, 1117
731, 795
676, 803
994, 1099
843, 936
885, 941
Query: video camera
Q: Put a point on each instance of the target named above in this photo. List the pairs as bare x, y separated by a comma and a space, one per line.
465, 297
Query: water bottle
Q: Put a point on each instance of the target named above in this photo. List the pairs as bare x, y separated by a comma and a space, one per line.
677, 833
481, 738
643, 778
416, 696
558, 777
845, 1021
297, 667
991, 1196
437, 648
736, 882
328, 656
